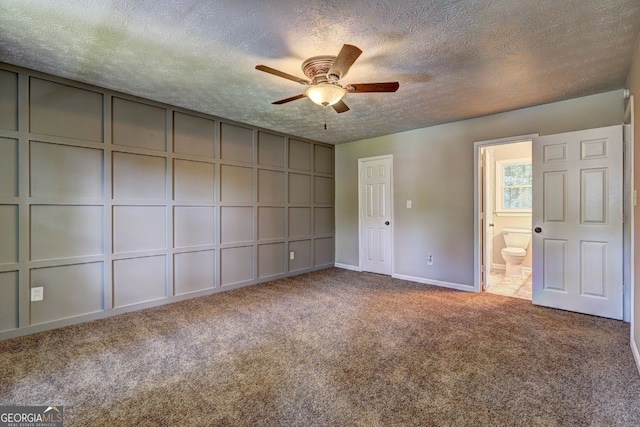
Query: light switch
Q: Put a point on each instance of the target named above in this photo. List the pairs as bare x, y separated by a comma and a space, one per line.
408, 204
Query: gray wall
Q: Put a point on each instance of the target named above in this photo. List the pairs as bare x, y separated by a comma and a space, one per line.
113, 203
433, 167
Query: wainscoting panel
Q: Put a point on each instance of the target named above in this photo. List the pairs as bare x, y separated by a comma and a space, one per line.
299, 188
194, 271
139, 125
9, 296
236, 184
323, 251
236, 143
113, 203
323, 159
9, 167
270, 186
236, 265
193, 226
66, 111
9, 240
323, 221
193, 135
270, 223
68, 290
59, 231
299, 222
139, 228
302, 255
271, 260
271, 150
300, 155
193, 181
59, 171
139, 177
236, 224
8, 100
323, 190
138, 280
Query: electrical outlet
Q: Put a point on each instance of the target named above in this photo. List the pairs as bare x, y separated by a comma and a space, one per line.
408, 204
430, 260
37, 294
292, 255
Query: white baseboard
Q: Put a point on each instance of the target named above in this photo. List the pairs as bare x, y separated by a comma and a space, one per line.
450, 285
636, 353
347, 267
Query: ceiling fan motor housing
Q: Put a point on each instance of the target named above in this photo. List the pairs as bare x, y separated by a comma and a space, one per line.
317, 67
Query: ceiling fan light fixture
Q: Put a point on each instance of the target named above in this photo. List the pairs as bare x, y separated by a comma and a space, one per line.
325, 94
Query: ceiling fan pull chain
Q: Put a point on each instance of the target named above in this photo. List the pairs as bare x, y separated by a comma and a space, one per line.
325, 118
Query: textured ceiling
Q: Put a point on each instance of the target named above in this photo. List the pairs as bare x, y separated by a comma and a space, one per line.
453, 59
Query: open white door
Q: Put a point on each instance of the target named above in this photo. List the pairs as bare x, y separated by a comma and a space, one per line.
577, 221
375, 214
487, 212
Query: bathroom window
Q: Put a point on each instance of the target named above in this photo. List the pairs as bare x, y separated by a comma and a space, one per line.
514, 189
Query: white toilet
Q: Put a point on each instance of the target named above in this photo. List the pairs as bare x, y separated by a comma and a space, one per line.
517, 240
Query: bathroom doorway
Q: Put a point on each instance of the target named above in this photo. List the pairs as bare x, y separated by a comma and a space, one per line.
505, 212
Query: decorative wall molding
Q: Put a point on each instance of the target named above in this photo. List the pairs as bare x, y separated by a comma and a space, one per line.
126, 203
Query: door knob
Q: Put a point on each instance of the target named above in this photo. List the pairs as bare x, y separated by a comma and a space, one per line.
386, 223
490, 225
538, 230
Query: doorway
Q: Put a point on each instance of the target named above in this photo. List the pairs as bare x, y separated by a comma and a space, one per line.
375, 188
577, 240
506, 210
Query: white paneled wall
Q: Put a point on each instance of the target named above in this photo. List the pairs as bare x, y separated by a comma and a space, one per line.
112, 203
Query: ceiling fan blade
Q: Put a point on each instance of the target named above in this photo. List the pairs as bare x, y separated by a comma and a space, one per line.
345, 59
293, 98
373, 87
282, 74
340, 107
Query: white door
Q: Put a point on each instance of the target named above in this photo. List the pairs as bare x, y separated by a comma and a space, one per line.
577, 221
488, 209
375, 214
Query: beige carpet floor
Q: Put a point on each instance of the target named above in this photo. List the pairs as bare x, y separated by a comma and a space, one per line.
332, 348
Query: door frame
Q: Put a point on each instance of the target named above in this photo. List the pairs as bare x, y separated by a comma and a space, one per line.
629, 204
478, 195
360, 207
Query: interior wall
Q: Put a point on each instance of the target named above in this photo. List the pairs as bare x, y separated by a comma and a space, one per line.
112, 203
433, 167
633, 83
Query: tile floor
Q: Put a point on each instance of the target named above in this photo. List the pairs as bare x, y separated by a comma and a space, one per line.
517, 287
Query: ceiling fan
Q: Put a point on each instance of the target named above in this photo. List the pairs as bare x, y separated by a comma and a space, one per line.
324, 73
